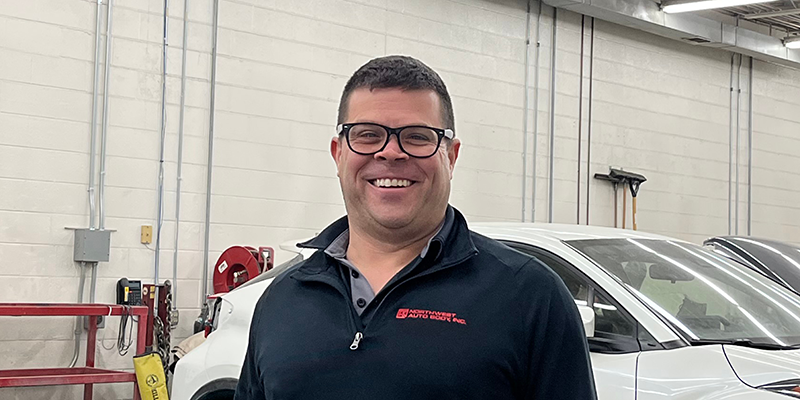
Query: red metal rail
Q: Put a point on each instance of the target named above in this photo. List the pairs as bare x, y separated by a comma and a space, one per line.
88, 375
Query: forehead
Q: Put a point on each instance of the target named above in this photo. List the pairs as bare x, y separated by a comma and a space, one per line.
395, 107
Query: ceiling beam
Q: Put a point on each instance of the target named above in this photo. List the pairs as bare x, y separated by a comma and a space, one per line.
770, 14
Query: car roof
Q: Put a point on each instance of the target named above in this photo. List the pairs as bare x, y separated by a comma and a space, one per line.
535, 232
753, 239
562, 232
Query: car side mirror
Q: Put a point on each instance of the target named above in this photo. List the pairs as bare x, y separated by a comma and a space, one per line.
587, 317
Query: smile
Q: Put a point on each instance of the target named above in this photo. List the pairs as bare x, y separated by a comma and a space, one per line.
389, 183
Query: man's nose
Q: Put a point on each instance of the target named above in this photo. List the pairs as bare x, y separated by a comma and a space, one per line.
392, 151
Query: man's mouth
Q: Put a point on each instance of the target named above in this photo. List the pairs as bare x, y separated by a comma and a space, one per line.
391, 183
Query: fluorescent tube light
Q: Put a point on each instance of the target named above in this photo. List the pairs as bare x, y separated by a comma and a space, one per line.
792, 42
679, 7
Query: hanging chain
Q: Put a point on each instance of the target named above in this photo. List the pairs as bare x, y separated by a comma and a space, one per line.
169, 323
160, 328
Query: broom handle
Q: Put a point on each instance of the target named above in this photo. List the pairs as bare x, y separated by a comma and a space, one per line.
634, 213
624, 206
616, 207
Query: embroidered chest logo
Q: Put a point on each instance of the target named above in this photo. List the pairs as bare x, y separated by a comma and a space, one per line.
413, 313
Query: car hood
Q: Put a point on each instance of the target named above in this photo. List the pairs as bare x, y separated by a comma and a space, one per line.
756, 367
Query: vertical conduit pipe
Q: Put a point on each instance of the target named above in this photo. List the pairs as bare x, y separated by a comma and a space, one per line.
525, 109
92, 171
92, 141
536, 108
79, 320
180, 156
580, 123
730, 147
160, 222
215, 28
738, 134
553, 65
92, 291
750, 150
104, 131
589, 122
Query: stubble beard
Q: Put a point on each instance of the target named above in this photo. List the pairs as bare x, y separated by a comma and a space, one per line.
398, 230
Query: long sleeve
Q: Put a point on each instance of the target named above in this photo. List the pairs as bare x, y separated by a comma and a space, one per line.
559, 365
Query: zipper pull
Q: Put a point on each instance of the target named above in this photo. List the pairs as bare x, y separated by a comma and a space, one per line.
356, 341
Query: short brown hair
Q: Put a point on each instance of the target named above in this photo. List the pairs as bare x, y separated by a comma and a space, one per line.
401, 72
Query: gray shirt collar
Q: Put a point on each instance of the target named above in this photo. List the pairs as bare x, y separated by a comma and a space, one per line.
361, 292
338, 248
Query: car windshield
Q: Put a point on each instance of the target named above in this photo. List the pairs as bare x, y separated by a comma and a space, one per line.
704, 295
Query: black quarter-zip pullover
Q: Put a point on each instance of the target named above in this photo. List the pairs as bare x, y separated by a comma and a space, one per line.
473, 319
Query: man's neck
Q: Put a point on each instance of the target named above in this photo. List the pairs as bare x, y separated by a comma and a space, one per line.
380, 259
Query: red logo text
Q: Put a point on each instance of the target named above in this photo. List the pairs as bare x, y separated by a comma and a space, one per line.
413, 313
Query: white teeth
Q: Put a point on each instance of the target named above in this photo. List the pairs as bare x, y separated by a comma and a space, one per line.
392, 182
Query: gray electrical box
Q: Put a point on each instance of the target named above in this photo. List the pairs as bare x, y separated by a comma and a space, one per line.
92, 245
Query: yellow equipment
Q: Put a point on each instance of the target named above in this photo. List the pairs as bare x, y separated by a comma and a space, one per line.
150, 377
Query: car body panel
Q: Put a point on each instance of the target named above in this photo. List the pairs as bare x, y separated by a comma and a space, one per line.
688, 372
696, 373
192, 372
757, 367
222, 354
615, 375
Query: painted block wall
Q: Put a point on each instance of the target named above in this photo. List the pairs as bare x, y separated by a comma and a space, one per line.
659, 107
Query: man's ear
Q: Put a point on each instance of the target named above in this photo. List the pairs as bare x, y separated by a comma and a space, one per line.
452, 154
336, 151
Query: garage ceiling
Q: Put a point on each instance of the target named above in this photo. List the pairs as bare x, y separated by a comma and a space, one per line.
782, 15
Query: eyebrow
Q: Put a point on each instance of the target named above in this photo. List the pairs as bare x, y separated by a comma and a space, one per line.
395, 127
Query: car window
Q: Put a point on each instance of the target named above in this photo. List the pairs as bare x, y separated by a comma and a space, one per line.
609, 319
578, 287
615, 330
702, 294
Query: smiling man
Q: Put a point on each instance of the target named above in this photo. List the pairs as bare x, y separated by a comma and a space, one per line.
403, 301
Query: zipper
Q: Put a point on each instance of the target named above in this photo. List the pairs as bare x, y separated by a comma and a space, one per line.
443, 267
352, 312
359, 335
356, 341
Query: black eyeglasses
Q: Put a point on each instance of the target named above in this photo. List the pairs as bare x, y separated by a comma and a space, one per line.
417, 141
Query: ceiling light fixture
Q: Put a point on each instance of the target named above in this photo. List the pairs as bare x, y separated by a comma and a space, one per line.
672, 7
792, 42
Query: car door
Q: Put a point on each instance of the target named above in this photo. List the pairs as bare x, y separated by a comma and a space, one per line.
615, 345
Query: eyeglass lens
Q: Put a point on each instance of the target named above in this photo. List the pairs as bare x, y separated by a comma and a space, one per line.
416, 141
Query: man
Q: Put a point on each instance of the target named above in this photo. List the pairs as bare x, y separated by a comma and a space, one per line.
403, 301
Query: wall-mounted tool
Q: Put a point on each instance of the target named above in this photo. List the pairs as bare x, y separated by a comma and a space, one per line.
633, 181
235, 266
615, 182
238, 264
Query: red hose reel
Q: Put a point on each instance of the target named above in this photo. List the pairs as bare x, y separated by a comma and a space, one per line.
239, 264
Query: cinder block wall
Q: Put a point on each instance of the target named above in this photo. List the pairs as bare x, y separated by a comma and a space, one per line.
660, 108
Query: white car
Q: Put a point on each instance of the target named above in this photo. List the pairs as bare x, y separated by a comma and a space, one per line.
666, 318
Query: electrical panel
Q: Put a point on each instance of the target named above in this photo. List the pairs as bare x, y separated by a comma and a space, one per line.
92, 245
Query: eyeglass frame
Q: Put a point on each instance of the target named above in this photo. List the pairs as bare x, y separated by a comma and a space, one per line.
344, 129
